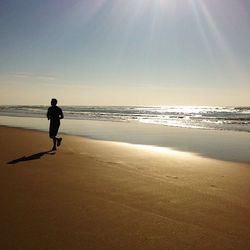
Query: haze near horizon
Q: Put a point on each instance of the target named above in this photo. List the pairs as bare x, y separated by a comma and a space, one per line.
133, 52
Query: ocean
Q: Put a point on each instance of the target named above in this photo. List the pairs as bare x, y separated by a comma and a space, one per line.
214, 132
199, 117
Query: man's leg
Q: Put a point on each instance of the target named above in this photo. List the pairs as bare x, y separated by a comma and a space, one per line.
54, 142
53, 132
59, 140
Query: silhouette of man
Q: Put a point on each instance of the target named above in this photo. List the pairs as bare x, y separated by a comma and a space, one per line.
54, 114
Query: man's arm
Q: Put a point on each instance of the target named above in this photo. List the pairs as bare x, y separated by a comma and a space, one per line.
61, 114
48, 114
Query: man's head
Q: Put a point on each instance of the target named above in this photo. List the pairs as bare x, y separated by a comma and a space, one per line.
53, 102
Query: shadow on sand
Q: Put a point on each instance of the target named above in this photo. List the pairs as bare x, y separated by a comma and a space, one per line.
36, 156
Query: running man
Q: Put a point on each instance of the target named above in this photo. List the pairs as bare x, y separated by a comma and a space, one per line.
54, 114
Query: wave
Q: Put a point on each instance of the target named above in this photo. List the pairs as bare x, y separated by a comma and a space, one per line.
222, 118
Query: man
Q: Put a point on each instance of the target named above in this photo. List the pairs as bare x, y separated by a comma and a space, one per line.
54, 114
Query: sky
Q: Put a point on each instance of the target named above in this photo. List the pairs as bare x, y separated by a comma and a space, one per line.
125, 52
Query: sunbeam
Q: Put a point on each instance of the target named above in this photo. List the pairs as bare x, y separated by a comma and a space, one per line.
216, 32
203, 34
134, 51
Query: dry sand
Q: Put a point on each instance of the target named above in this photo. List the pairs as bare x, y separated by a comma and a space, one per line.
106, 195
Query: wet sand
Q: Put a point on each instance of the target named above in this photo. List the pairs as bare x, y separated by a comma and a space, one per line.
108, 195
216, 144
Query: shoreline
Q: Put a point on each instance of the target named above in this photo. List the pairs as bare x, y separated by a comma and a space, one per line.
226, 115
131, 121
153, 148
222, 145
108, 195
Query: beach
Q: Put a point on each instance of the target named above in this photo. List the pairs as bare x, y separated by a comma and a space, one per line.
124, 125
95, 194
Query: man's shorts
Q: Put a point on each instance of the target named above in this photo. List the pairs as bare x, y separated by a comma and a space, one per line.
53, 128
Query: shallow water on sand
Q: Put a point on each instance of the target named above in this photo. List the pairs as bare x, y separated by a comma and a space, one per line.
224, 145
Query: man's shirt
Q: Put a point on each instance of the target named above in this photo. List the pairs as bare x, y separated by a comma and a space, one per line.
54, 114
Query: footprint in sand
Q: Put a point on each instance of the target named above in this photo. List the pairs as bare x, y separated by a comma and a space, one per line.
173, 177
